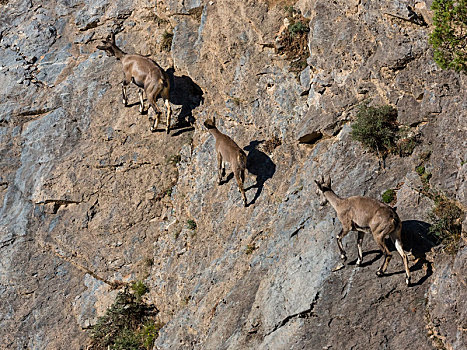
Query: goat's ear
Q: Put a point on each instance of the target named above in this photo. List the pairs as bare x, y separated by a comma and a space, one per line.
328, 181
214, 120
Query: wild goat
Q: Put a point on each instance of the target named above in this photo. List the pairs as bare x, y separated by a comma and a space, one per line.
144, 73
228, 151
364, 214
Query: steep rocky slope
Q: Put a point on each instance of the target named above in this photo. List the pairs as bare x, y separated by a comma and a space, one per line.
90, 196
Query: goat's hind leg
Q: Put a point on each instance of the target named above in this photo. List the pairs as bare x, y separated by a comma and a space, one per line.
240, 177
387, 255
400, 250
359, 247
220, 168
157, 113
141, 101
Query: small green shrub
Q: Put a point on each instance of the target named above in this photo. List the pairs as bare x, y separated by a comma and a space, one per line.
169, 191
174, 159
139, 288
376, 128
449, 39
166, 43
250, 248
425, 176
420, 170
128, 324
191, 224
447, 223
149, 333
298, 28
388, 196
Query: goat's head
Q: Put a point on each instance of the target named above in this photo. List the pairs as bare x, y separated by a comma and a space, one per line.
108, 45
323, 186
210, 123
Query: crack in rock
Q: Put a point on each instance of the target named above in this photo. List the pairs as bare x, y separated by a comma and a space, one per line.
302, 314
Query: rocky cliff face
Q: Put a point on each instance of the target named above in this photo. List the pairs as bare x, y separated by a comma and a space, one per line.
90, 196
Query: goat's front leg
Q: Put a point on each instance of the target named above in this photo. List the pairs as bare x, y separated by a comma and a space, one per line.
141, 101
359, 247
341, 249
169, 114
124, 93
339, 243
220, 167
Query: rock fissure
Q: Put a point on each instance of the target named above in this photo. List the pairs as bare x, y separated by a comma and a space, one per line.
302, 314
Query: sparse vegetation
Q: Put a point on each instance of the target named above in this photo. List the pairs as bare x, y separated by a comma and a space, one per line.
298, 28
139, 289
376, 128
420, 170
250, 248
293, 42
425, 176
388, 196
166, 42
449, 37
129, 324
191, 224
446, 215
447, 223
174, 159
406, 142
270, 145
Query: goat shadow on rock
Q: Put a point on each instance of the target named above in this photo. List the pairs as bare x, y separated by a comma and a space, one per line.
186, 93
259, 164
417, 239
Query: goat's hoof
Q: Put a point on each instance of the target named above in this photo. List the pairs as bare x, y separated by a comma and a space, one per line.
379, 273
359, 263
153, 129
407, 281
338, 267
343, 257
168, 131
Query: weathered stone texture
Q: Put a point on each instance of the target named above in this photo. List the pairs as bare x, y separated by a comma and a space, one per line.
89, 195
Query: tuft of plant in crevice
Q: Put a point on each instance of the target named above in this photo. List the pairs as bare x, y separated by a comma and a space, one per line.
128, 324
446, 226
446, 216
250, 248
293, 41
388, 196
191, 224
449, 36
166, 42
